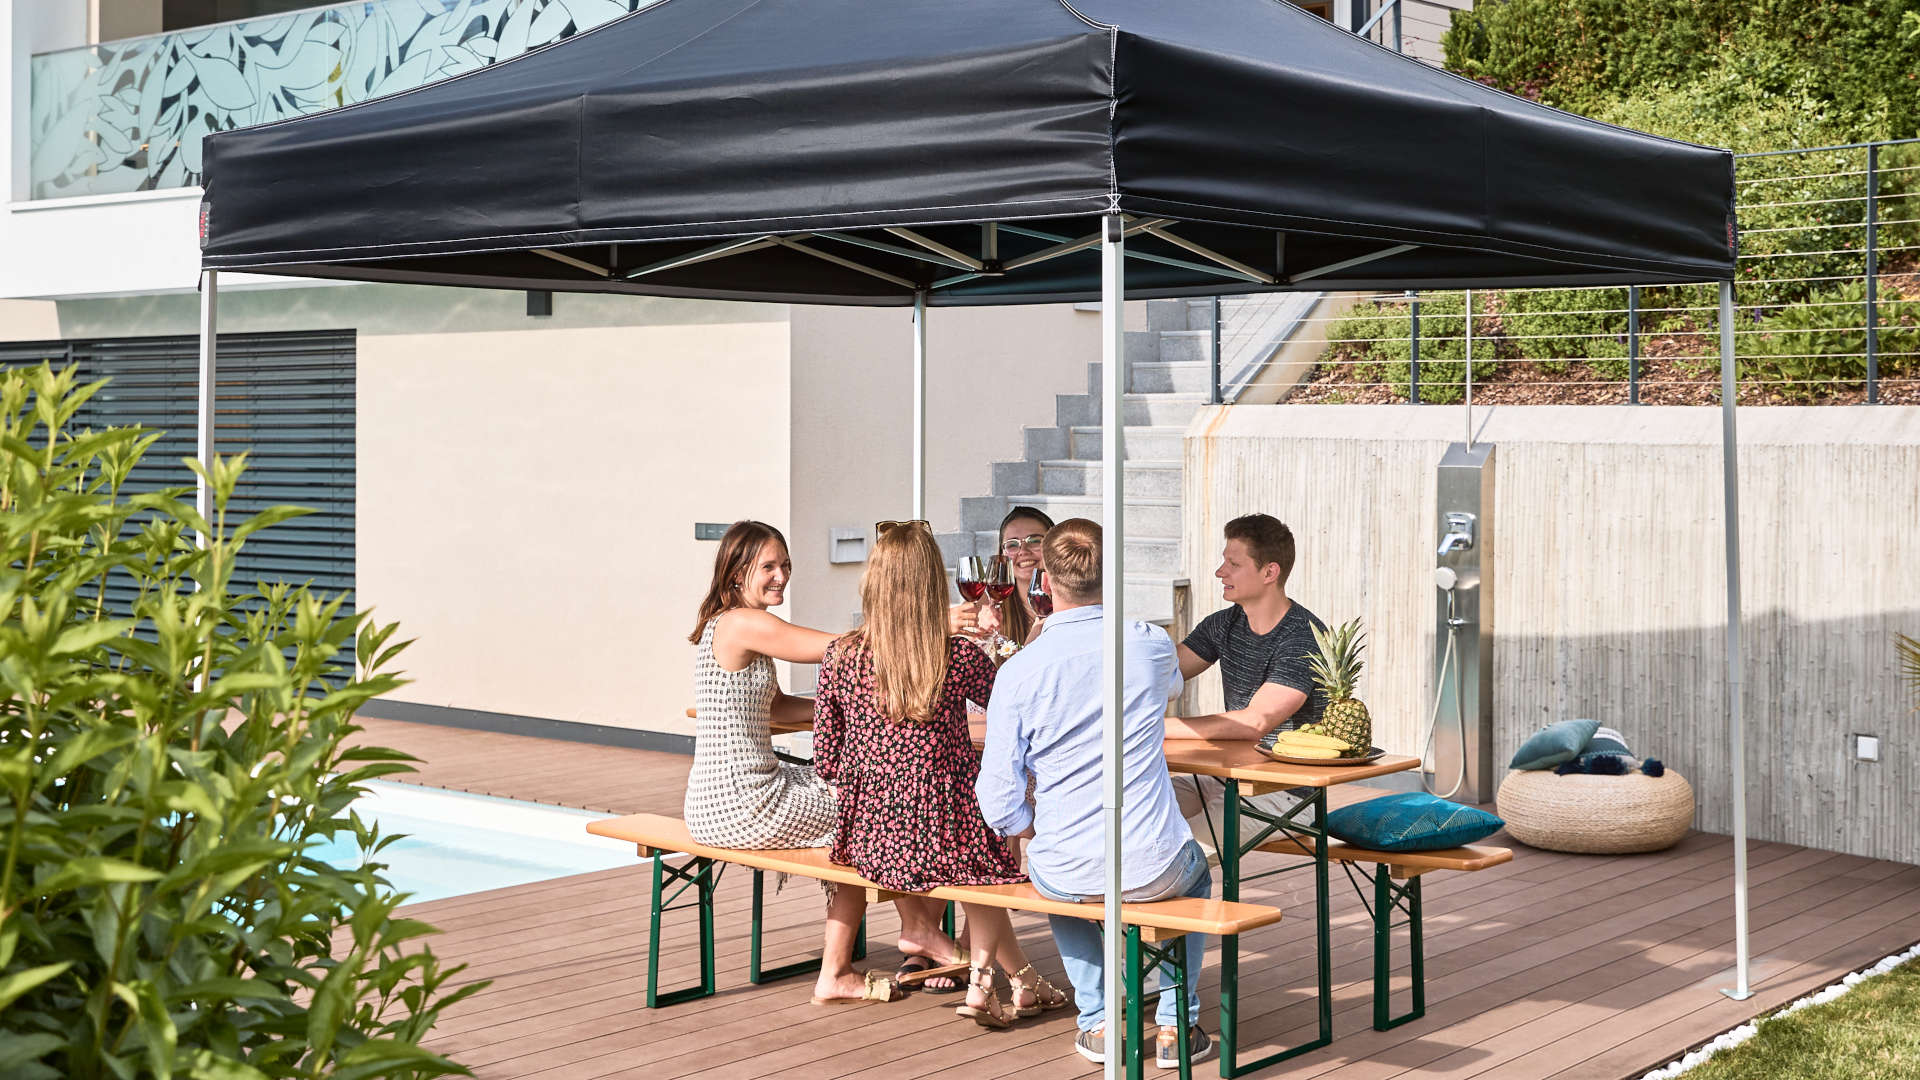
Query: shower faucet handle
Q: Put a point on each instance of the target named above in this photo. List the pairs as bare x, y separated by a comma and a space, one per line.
1460, 529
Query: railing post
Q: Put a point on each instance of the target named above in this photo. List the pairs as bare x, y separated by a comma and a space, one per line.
1873, 274
1213, 357
1633, 344
1413, 349
1396, 27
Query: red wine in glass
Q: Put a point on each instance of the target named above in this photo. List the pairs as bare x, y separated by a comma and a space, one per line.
970, 577
1037, 596
1000, 583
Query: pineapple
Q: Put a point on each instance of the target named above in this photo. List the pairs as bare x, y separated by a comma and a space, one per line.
1336, 669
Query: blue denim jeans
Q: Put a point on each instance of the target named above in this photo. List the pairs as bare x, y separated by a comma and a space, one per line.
1079, 940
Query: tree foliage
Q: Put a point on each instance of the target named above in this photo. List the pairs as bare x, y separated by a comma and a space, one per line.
167, 761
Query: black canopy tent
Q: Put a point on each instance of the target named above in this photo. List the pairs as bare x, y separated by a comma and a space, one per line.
987, 152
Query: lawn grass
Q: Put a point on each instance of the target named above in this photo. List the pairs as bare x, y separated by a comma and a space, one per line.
1872, 1032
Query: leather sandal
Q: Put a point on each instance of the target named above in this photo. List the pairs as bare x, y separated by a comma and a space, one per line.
879, 988
990, 1015
1047, 997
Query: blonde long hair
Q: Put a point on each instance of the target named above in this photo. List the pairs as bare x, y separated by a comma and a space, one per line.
903, 599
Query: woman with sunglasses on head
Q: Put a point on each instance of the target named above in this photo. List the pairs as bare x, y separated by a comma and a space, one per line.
891, 734
739, 795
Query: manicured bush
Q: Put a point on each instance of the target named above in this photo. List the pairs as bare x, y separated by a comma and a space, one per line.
170, 750
1374, 338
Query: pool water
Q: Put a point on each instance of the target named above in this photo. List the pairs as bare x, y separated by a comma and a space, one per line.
456, 843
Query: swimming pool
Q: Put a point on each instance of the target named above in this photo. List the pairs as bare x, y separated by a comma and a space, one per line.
457, 843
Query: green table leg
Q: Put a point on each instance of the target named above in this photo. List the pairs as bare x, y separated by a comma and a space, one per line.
1233, 850
755, 973
1130, 1042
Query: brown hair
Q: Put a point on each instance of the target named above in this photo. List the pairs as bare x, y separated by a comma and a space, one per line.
1017, 619
1072, 557
738, 548
1267, 540
903, 604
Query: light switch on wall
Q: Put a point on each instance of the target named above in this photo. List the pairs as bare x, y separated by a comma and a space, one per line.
1866, 747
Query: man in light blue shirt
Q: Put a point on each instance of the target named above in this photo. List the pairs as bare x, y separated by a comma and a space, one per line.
1046, 719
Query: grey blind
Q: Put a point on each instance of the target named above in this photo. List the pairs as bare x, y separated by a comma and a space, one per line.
286, 399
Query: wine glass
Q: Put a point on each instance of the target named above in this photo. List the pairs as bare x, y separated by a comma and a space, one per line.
1000, 578
971, 578
1038, 597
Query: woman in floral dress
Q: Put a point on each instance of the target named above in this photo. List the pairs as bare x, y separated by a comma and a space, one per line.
890, 733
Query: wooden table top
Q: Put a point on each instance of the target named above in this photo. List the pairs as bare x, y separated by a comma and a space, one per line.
1236, 761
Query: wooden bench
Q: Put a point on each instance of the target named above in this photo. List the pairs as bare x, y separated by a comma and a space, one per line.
1396, 886
1152, 930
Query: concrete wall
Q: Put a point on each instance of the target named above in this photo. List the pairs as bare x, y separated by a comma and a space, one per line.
990, 371
1610, 587
528, 487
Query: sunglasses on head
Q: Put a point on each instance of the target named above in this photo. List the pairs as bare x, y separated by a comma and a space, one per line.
1016, 543
882, 528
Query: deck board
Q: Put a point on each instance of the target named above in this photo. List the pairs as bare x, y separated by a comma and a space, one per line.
1551, 967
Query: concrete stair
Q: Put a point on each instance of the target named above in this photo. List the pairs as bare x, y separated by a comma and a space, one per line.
1060, 472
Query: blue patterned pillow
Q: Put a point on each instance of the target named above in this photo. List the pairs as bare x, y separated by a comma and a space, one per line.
1410, 821
1554, 744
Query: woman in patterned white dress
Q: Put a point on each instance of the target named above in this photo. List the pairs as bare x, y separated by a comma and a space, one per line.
739, 795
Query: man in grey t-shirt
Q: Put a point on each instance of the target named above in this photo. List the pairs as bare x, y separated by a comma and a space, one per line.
1262, 642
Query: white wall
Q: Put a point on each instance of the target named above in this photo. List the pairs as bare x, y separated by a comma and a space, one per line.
1610, 588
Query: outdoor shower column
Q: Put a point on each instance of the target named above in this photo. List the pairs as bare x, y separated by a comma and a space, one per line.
919, 405
1113, 382
209, 365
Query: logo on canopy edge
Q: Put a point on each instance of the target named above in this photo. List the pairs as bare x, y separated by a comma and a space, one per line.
205, 209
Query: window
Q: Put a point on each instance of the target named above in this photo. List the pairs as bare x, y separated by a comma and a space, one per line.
285, 399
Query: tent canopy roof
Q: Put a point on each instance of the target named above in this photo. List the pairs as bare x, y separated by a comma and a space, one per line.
856, 152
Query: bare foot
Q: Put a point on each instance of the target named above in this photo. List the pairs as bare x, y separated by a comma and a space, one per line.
851, 986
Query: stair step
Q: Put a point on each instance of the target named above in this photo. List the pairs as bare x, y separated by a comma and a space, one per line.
1146, 517
1145, 410
1152, 479
1158, 377
1140, 444
1152, 555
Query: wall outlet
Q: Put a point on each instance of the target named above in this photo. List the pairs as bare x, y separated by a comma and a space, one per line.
1866, 748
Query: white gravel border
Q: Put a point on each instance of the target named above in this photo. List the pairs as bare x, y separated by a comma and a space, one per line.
1746, 1031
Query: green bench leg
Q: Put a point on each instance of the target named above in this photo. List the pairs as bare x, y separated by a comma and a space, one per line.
700, 876
1130, 1042
755, 973
1387, 896
1234, 849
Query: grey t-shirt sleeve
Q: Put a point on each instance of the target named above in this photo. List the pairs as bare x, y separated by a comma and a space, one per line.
1208, 640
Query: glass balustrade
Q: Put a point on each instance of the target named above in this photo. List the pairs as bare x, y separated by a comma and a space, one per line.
126, 116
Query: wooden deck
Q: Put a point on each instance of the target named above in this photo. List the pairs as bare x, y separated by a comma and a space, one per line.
1553, 966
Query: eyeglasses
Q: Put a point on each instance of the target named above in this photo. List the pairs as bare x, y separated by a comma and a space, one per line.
882, 528
1016, 543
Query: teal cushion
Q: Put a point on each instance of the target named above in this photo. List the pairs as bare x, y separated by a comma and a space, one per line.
1554, 744
1410, 821
1607, 742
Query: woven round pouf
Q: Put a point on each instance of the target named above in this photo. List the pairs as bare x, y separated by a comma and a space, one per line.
1596, 815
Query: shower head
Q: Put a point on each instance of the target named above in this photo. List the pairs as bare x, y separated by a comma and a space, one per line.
1445, 578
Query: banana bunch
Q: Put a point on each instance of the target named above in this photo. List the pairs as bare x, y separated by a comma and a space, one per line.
1306, 744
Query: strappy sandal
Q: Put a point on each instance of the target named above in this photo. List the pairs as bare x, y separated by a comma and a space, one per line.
879, 988
1047, 997
991, 1015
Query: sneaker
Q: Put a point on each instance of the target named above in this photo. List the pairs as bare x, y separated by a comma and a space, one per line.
1092, 1045
1166, 1048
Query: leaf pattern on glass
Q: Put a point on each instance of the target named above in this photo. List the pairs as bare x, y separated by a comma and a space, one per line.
125, 116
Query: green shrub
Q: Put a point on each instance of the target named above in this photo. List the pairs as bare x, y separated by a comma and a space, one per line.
166, 768
1374, 338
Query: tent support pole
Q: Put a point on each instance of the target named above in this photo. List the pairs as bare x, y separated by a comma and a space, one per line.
1113, 380
1729, 447
920, 404
209, 368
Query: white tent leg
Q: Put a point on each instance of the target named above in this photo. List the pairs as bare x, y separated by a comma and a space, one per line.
1729, 447
1113, 379
920, 404
209, 365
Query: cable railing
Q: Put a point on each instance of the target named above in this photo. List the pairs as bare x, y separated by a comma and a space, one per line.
1826, 291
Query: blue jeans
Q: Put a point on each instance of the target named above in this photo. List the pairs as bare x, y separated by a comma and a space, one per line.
1079, 940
